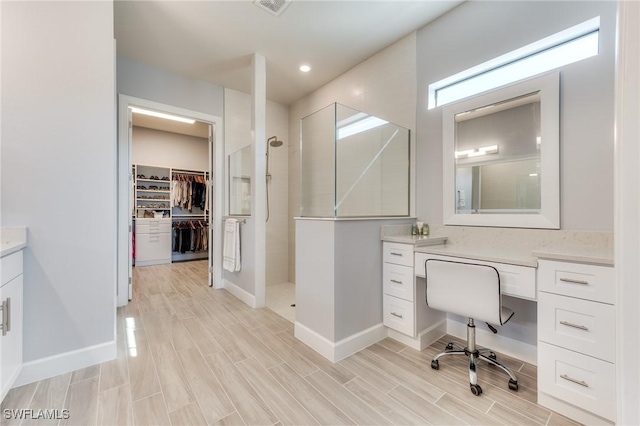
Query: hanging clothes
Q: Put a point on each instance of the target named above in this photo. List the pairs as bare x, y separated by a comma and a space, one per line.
190, 236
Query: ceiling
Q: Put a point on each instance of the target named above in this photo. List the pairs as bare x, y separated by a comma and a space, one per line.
214, 41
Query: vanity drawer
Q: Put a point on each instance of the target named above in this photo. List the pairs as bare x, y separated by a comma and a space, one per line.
580, 325
589, 282
397, 281
152, 226
515, 280
398, 314
400, 254
581, 380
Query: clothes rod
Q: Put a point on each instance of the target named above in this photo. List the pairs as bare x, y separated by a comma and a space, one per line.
185, 172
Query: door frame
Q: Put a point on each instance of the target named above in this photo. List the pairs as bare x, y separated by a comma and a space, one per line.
125, 180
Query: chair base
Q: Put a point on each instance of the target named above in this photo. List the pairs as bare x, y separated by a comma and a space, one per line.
474, 355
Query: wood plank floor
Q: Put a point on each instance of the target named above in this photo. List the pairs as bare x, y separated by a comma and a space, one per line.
191, 355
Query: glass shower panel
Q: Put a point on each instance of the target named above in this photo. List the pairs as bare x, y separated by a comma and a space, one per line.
317, 159
372, 166
353, 165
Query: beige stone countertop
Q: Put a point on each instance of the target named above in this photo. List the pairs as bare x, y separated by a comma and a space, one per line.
415, 240
486, 254
12, 240
594, 255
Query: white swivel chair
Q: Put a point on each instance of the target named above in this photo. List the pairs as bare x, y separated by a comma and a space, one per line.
472, 291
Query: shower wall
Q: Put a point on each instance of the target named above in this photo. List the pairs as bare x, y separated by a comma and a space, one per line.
278, 225
237, 119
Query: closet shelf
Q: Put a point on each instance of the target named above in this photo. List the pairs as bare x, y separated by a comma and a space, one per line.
152, 180
153, 199
154, 190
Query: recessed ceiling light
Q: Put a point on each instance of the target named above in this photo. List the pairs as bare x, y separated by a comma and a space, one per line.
305, 68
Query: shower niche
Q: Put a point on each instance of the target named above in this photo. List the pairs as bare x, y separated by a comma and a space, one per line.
353, 165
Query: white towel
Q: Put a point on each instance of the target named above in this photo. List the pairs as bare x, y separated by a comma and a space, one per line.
231, 250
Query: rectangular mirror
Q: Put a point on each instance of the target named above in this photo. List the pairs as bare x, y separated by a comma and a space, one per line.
240, 182
501, 157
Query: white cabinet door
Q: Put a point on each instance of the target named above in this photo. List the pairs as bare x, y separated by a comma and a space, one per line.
11, 342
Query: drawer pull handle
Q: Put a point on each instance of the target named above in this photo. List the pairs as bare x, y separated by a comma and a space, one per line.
396, 254
396, 315
572, 281
5, 326
569, 324
396, 281
572, 380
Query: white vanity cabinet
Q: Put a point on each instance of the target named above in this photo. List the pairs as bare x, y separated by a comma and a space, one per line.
404, 308
576, 339
11, 314
397, 285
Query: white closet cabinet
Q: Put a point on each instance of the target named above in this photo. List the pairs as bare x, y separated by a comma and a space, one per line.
11, 333
153, 241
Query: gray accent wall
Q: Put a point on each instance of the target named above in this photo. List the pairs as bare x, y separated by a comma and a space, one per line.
59, 169
476, 32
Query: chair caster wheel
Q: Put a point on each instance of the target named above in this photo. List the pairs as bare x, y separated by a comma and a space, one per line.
435, 364
513, 385
476, 390
449, 347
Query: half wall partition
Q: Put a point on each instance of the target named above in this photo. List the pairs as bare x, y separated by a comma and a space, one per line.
354, 171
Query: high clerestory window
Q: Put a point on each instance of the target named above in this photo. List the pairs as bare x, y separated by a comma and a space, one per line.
571, 45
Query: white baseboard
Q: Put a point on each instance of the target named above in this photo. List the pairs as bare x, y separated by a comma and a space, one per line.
240, 293
357, 342
55, 365
424, 339
485, 338
571, 411
335, 351
318, 343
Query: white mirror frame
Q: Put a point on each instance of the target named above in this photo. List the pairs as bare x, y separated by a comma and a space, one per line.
549, 216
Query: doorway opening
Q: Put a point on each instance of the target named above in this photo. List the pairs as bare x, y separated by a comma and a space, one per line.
170, 199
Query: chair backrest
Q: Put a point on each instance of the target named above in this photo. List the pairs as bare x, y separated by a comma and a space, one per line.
466, 289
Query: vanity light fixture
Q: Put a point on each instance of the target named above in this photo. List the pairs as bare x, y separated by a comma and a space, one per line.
533, 175
493, 149
305, 68
162, 115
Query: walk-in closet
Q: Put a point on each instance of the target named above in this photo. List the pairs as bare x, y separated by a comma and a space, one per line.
171, 197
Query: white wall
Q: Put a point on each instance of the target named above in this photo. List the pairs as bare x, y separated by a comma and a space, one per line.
159, 148
383, 85
475, 32
237, 136
159, 85
59, 169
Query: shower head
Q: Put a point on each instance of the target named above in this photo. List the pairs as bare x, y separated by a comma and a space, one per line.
274, 142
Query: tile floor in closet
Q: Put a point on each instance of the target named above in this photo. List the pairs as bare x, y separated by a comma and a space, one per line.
191, 355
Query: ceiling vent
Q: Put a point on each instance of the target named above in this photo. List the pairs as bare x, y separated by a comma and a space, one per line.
274, 7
